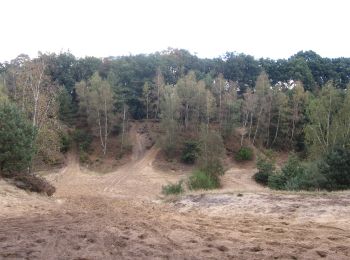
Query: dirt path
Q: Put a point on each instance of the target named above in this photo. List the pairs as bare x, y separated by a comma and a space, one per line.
119, 216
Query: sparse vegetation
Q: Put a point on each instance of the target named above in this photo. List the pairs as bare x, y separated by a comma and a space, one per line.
175, 188
66, 142
190, 152
200, 103
265, 168
203, 180
244, 154
82, 139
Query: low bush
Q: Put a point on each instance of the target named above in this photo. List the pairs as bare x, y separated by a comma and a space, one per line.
190, 152
175, 188
261, 177
265, 169
296, 175
336, 169
169, 150
244, 154
202, 180
215, 168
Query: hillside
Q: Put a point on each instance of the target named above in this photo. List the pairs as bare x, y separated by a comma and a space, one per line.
122, 214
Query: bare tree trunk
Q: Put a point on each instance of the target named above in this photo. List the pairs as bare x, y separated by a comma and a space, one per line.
257, 125
36, 93
147, 107
245, 121
329, 118
268, 125
123, 130
250, 125
100, 130
186, 115
106, 127
158, 83
295, 115
220, 111
277, 128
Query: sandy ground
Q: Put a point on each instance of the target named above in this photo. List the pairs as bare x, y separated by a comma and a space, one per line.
121, 215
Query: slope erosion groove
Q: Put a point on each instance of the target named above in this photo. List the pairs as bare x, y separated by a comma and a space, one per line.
118, 215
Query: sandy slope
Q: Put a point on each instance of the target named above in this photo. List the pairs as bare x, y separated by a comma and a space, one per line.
119, 215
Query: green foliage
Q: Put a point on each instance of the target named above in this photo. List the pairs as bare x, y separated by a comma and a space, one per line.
82, 139
297, 176
84, 157
215, 168
67, 110
336, 169
190, 152
328, 125
175, 188
66, 142
16, 140
202, 180
211, 151
244, 154
170, 114
290, 177
276, 181
266, 168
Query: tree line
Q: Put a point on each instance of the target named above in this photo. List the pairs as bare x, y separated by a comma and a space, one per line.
299, 104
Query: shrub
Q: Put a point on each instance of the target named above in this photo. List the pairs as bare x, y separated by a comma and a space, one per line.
169, 150
290, 177
261, 177
336, 169
265, 169
297, 176
175, 188
276, 181
244, 154
190, 152
211, 151
215, 168
202, 180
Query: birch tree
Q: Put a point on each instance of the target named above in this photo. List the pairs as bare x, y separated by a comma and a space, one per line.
187, 91
170, 107
263, 113
36, 95
322, 131
147, 97
298, 102
219, 85
159, 88
96, 98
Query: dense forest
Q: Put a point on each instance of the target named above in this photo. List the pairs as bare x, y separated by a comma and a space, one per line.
205, 108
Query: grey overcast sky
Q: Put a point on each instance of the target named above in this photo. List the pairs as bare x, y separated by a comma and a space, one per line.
269, 28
